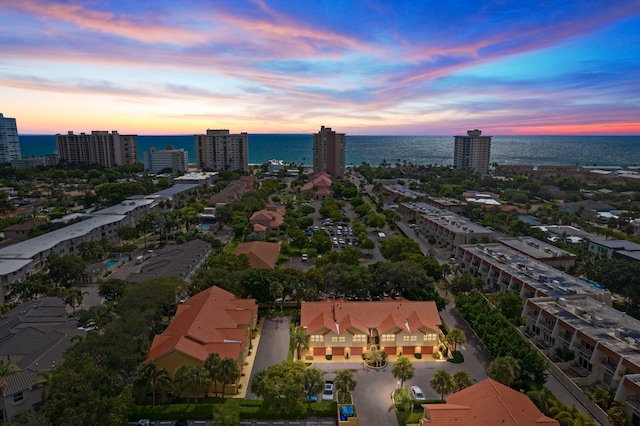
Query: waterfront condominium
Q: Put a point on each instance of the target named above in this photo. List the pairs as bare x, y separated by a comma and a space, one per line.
9, 142
472, 152
99, 147
175, 160
218, 150
328, 152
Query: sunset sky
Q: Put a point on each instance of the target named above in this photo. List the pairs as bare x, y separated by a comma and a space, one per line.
374, 67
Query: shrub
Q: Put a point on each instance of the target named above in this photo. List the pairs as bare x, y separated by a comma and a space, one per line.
418, 355
436, 355
329, 357
457, 357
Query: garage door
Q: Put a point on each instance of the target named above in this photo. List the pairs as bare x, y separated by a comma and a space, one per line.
427, 349
319, 351
408, 350
337, 351
356, 350
390, 350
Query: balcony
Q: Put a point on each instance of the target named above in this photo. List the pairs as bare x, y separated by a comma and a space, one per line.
634, 402
532, 314
546, 325
608, 364
565, 336
584, 351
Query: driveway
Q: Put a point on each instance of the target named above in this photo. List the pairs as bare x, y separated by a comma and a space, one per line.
372, 394
273, 347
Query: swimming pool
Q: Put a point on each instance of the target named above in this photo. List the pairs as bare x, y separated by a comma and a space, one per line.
111, 264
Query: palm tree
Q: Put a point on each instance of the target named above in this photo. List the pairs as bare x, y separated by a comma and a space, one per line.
543, 399
228, 372
455, 337
504, 369
462, 380
7, 369
442, 383
192, 380
212, 365
151, 378
344, 382
402, 369
299, 340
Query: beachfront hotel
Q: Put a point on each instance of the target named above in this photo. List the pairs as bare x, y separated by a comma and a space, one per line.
98, 147
472, 152
218, 150
9, 142
176, 160
328, 152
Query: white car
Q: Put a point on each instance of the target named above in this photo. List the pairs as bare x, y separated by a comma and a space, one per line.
416, 393
327, 394
305, 257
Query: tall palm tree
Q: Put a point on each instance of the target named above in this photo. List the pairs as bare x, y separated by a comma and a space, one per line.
228, 373
402, 369
504, 369
151, 378
7, 369
443, 383
192, 381
212, 365
299, 340
344, 382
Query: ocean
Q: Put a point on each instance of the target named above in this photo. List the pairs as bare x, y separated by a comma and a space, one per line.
419, 150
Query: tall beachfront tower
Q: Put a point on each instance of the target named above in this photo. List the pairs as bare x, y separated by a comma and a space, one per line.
218, 150
472, 152
9, 142
98, 147
328, 152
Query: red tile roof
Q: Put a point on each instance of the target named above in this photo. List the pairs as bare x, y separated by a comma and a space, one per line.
212, 321
487, 403
262, 255
26, 225
384, 315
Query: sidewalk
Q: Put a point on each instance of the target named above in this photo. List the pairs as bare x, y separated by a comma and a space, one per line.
247, 369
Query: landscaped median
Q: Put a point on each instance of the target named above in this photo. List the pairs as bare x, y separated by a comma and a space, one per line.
235, 408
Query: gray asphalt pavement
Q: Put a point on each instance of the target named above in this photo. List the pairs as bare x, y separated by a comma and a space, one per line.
273, 347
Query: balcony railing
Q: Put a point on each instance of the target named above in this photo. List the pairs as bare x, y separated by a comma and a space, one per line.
583, 350
609, 365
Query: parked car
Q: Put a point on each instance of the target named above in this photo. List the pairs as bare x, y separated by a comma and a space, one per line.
144, 422
416, 393
305, 257
327, 394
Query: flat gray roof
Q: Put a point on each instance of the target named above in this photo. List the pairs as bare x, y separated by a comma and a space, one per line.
125, 206
534, 273
534, 247
31, 247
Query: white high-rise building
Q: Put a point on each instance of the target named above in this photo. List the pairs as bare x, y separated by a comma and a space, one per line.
329, 152
176, 160
472, 152
9, 142
218, 150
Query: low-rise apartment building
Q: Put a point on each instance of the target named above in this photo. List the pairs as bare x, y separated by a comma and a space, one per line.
541, 251
345, 328
504, 269
601, 345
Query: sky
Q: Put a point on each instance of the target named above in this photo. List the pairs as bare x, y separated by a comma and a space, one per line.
370, 67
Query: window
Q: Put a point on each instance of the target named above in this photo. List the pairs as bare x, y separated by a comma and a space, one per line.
430, 337
360, 338
18, 397
316, 338
388, 337
336, 339
409, 338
